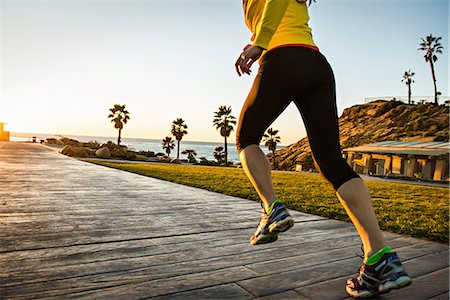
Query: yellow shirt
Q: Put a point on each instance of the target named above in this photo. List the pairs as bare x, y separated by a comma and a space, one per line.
276, 23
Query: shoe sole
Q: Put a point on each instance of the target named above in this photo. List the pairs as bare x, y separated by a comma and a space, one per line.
401, 282
264, 239
384, 288
282, 225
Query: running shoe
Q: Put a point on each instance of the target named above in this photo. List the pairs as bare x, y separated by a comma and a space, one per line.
378, 278
270, 224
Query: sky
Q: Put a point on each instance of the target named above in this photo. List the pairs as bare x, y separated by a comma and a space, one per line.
64, 63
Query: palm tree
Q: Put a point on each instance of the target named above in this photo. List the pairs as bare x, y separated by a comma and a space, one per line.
168, 144
271, 140
119, 116
219, 155
191, 154
224, 121
178, 131
432, 46
407, 78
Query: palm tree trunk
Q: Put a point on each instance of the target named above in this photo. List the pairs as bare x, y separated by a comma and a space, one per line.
119, 137
409, 93
434, 81
178, 150
226, 151
274, 160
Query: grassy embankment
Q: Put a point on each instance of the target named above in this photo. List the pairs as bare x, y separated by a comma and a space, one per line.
414, 210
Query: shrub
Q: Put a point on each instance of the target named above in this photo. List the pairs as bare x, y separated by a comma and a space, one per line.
147, 153
92, 144
205, 162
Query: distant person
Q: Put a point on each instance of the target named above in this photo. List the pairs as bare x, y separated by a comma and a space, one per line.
293, 69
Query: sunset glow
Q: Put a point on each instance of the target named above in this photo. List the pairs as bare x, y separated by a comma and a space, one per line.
64, 63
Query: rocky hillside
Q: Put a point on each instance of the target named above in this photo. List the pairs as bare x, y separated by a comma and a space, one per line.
376, 122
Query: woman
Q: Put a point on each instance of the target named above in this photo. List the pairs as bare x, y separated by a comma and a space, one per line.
293, 69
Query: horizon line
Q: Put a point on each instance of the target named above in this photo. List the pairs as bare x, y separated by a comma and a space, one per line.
112, 137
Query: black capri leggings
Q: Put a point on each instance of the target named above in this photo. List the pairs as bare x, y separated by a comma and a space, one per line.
304, 76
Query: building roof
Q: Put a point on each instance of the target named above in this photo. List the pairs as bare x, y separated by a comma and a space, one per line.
404, 148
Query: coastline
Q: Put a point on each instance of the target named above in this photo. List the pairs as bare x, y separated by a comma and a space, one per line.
203, 149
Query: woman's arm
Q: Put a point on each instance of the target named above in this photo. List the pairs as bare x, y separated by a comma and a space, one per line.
272, 15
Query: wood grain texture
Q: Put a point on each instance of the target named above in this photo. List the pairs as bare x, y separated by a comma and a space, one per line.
70, 229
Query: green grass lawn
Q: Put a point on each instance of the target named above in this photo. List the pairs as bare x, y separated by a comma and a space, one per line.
414, 210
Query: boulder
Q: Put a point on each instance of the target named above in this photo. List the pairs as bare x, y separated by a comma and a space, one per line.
65, 150
77, 152
141, 157
163, 159
103, 153
175, 161
90, 152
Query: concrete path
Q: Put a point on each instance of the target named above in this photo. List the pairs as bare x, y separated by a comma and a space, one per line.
70, 229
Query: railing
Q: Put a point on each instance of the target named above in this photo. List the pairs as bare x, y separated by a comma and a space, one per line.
415, 99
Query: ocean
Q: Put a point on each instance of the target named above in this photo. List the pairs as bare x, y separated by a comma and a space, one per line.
203, 149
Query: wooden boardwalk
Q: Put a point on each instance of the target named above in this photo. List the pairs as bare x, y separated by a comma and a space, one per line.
70, 229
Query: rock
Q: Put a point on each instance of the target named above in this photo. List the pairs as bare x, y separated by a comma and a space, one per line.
141, 157
372, 112
90, 152
163, 159
66, 149
380, 121
103, 153
175, 161
77, 152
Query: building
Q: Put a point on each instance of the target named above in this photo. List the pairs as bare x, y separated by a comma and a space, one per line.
420, 160
4, 135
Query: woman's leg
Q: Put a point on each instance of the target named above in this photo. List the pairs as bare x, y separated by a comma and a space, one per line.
318, 109
257, 168
356, 200
266, 101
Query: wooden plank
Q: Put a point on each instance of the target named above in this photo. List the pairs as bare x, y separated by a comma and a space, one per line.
106, 223
148, 289
284, 281
419, 249
340, 250
151, 265
444, 296
329, 289
288, 295
125, 276
15, 243
56, 239
95, 219
51, 257
104, 251
65, 256
127, 238
416, 267
27, 273
427, 263
225, 291
424, 287
307, 274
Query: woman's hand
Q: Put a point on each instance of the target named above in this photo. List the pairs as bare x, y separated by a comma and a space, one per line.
247, 58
